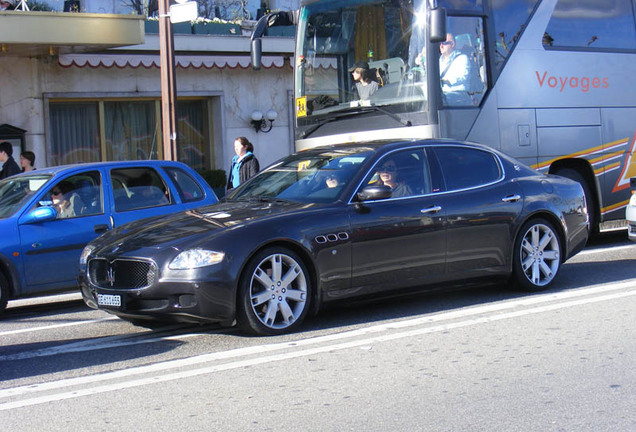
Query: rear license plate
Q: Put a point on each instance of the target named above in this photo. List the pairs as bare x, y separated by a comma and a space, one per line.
109, 300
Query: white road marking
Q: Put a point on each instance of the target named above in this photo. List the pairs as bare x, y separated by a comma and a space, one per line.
607, 249
366, 337
55, 326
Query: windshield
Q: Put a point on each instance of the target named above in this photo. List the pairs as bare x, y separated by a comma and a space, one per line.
361, 53
15, 191
308, 177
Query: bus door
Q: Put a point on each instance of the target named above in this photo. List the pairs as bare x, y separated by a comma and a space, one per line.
463, 75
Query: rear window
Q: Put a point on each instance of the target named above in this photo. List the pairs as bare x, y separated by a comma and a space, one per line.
136, 188
188, 188
465, 168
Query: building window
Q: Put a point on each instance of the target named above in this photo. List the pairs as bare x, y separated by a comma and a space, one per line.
130, 129
116, 129
74, 133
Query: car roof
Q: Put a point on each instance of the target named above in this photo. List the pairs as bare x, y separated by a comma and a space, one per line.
111, 164
393, 144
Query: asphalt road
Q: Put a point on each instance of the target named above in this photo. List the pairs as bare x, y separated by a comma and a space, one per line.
479, 359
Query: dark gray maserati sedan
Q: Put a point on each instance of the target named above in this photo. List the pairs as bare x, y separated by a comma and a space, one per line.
340, 222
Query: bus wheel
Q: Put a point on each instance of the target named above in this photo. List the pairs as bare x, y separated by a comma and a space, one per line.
573, 174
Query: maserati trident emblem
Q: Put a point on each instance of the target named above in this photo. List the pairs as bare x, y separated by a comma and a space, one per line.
110, 276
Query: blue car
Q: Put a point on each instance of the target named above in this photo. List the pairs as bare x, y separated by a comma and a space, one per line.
47, 216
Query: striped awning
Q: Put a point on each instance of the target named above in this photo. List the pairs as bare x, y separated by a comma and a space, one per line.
122, 61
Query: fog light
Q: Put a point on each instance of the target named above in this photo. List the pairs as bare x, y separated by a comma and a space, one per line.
186, 301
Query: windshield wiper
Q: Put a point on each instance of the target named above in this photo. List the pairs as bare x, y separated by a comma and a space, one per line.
265, 198
359, 110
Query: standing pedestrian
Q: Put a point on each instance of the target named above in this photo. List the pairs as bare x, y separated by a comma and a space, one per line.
244, 164
27, 160
9, 165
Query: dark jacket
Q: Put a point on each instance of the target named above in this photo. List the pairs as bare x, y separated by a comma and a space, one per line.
248, 169
10, 168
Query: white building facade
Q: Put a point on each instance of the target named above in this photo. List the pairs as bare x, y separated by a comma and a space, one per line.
92, 106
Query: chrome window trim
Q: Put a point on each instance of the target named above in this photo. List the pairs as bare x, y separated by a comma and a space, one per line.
502, 176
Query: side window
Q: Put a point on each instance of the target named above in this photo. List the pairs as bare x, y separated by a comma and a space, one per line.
462, 62
465, 168
137, 188
606, 25
188, 188
510, 18
405, 172
78, 195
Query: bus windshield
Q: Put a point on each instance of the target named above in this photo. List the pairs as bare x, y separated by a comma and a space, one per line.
360, 53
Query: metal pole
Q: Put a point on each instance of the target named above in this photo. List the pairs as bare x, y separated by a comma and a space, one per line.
168, 83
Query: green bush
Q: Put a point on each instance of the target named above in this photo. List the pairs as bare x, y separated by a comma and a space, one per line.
216, 178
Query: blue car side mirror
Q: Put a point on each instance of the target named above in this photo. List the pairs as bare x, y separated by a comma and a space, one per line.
40, 214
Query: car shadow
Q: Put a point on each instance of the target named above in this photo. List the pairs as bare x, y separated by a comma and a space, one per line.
429, 301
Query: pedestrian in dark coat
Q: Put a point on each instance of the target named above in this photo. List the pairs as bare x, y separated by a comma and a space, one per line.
9, 165
244, 164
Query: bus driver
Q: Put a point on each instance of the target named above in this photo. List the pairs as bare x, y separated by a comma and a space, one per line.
454, 73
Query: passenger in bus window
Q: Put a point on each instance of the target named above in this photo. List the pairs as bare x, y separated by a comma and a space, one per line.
454, 71
365, 85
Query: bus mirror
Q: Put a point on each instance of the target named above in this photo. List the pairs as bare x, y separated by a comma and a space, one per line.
437, 25
256, 51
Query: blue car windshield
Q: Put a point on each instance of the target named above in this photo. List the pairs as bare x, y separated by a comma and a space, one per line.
316, 176
17, 190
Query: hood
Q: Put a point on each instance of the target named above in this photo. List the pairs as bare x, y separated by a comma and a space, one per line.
193, 226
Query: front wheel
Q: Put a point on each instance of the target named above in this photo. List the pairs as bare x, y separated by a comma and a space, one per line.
274, 293
537, 256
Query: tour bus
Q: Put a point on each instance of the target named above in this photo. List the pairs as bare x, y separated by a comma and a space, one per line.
550, 82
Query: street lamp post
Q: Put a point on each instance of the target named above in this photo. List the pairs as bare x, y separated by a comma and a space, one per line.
168, 83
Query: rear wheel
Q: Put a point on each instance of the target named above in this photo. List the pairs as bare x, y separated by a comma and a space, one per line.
537, 256
275, 293
4, 292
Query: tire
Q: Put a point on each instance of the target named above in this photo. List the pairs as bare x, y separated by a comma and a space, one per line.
274, 293
537, 256
4, 292
573, 174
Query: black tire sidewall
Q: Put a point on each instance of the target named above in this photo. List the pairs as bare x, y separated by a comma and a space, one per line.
247, 320
4, 292
519, 278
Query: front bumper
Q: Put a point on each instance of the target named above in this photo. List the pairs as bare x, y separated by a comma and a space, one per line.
630, 215
167, 300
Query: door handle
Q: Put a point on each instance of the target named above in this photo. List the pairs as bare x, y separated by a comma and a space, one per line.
511, 198
100, 229
431, 209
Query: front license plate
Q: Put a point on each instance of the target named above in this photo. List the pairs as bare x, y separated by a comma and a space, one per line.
109, 300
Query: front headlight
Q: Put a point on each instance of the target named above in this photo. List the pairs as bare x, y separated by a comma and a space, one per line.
195, 258
85, 254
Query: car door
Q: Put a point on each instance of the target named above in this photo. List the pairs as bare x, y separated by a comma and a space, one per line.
139, 192
481, 206
51, 249
400, 241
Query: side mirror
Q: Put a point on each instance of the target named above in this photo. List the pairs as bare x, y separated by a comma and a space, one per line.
256, 52
274, 19
40, 214
371, 193
437, 25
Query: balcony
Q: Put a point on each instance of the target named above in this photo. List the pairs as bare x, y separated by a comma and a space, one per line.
33, 34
